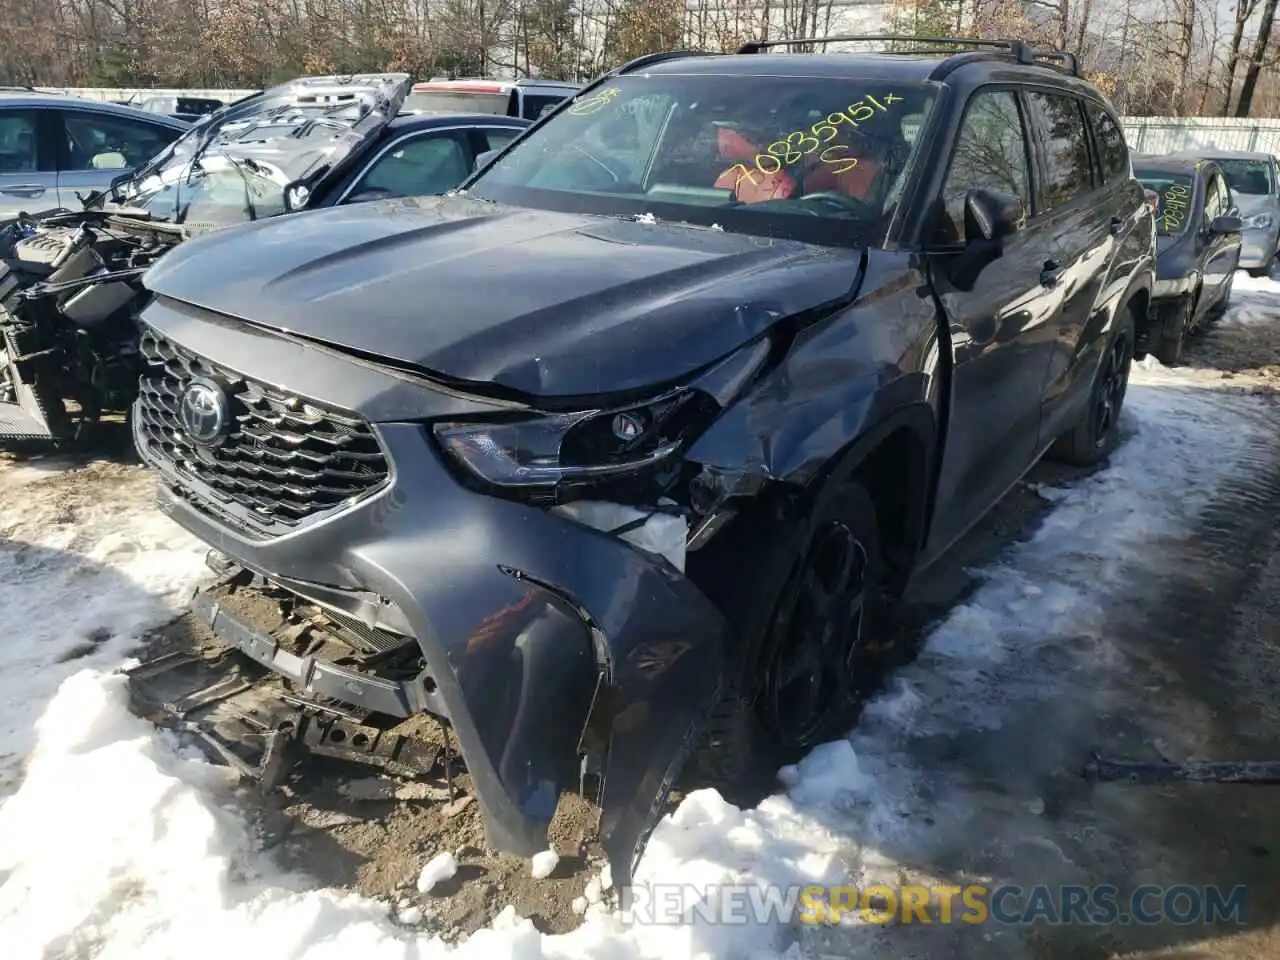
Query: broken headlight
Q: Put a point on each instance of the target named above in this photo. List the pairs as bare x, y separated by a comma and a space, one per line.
577, 447
539, 454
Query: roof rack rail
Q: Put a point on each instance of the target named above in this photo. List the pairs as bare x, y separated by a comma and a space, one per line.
649, 59
1022, 50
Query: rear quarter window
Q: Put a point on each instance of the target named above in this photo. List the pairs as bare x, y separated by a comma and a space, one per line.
1113, 151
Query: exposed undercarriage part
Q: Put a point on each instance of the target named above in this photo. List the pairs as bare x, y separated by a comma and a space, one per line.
283, 679
68, 340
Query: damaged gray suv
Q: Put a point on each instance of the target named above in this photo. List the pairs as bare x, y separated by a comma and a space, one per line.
614, 457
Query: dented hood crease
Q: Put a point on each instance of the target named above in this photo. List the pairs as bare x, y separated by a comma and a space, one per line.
540, 303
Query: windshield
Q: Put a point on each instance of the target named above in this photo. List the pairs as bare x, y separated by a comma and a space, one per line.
1248, 176
792, 157
442, 101
1175, 191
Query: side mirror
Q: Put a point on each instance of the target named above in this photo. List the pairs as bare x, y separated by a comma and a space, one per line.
110, 160
296, 195
1224, 225
483, 160
991, 215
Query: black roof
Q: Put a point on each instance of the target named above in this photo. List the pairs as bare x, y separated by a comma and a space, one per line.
1211, 154
1185, 164
931, 58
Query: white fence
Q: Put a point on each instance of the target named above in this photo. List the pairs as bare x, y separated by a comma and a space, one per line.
1145, 134
1167, 134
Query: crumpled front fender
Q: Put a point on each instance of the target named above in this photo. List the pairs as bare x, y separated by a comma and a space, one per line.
566, 657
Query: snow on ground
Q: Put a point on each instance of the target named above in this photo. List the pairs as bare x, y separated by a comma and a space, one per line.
1254, 301
87, 568
121, 844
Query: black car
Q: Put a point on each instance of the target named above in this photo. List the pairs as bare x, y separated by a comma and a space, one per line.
1197, 248
620, 452
69, 280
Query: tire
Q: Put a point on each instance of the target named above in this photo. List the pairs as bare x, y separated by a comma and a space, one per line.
1259, 271
1172, 334
1094, 437
748, 733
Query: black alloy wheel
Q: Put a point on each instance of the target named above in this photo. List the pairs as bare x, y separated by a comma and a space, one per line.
823, 629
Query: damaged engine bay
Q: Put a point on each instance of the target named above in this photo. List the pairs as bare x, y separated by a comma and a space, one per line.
70, 285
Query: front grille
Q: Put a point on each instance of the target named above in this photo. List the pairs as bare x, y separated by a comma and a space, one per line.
283, 461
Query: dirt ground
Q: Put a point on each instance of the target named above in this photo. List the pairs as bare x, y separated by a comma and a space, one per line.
350, 829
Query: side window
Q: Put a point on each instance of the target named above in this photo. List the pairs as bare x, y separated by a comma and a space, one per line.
1066, 148
19, 140
416, 166
98, 141
1112, 149
991, 153
498, 138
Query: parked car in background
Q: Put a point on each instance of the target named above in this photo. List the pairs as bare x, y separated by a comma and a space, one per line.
628, 440
1197, 247
69, 280
1254, 179
512, 98
189, 109
54, 148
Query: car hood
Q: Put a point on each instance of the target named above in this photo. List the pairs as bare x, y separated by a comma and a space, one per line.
525, 301
277, 132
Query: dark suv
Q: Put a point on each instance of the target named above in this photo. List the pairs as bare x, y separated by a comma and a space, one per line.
617, 454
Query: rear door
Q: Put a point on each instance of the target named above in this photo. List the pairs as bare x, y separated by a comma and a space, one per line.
1000, 329
96, 147
28, 168
1080, 211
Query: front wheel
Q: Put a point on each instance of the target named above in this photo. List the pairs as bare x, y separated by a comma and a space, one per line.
1096, 434
1171, 335
818, 650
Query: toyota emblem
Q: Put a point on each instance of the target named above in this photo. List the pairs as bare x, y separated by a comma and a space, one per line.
205, 411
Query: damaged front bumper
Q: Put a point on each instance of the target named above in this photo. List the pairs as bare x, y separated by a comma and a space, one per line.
561, 657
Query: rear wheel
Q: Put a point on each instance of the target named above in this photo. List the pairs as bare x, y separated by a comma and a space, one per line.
1096, 434
818, 646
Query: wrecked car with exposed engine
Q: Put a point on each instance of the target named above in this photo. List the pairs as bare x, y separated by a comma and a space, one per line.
617, 456
69, 280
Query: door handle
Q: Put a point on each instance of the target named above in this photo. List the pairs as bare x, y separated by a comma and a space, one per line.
1117, 224
24, 189
1051, 273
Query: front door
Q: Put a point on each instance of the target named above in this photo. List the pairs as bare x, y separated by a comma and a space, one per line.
1222, 250
99, 146
1000, 329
